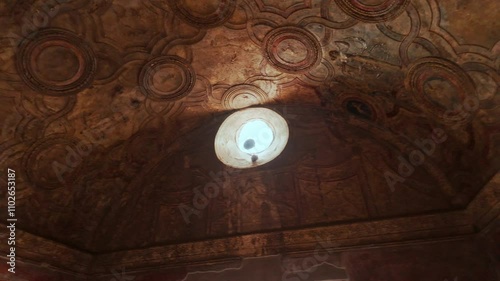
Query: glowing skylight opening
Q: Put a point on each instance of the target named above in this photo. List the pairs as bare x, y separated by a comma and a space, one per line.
255, 136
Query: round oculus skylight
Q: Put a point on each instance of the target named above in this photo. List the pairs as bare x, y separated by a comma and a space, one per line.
254, 136
251, 137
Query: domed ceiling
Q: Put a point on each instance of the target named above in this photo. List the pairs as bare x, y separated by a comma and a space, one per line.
109, 112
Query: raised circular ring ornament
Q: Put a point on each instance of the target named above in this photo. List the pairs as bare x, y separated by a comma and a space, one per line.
203, 14
241, 96
292, 49
453, 88
251, 137
167, 78
373, 13
56, 62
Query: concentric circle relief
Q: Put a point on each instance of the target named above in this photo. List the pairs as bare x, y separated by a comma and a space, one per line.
292, 49
373, 11
241, 96
167, 78
56, 62
441, 87
203, 14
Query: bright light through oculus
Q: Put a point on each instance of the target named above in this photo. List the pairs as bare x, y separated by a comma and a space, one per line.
251, 137
254, 136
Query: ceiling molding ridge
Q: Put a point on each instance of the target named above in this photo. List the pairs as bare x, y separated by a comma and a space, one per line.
48, 253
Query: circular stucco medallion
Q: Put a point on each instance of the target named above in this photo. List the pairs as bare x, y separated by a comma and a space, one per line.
292, 49
373, 11
251, 137
167, 78
203, 14
442, 88
56, 62
241, 96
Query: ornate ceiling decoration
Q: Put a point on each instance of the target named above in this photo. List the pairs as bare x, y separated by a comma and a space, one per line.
109, 110
44, 75
292, 49
373, 13
152, 80
243, 95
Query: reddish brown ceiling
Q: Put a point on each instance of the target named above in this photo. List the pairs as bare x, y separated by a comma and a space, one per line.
359, 83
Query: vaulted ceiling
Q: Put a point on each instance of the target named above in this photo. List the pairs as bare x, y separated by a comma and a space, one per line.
109, 111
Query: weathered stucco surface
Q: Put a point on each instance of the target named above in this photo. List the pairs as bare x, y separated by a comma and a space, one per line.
109, 109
